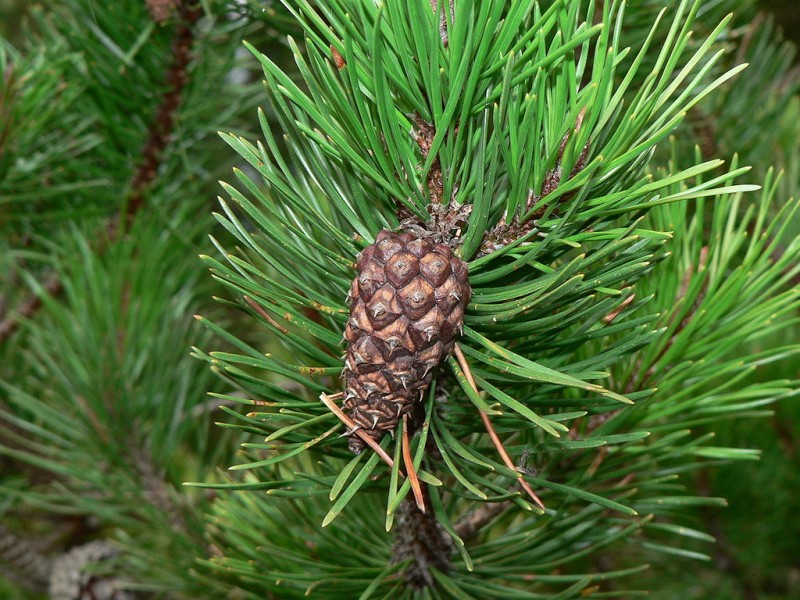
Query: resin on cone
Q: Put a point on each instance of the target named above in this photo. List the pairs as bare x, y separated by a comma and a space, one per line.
406, 309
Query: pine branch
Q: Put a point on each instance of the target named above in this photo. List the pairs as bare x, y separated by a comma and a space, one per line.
474, 522
642, 381
513, 227
446, 10
67, 576
446, 218
157, 139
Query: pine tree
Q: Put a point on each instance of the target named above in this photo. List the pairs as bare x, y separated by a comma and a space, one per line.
572, 179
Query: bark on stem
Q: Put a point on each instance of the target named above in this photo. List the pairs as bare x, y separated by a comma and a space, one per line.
420, 540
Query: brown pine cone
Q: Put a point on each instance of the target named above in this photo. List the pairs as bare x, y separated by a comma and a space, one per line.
406, 308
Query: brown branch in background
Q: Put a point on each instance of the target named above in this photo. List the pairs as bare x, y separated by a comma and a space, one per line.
162, 126
747, 39
474, 521
593, 422
787, 437
23, 563
162, 10
67, 575
37, 570
75, 577
724, 554
703, 128
596, 420
29, 307
154, 486
8, 96
157, 139
639, 384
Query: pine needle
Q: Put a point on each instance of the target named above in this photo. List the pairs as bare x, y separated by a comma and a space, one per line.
328, 401
412, 473
491, 431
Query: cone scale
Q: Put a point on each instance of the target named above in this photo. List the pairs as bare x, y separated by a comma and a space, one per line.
406, 308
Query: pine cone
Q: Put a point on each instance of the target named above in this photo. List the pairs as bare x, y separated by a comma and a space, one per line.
72, 577
406, 308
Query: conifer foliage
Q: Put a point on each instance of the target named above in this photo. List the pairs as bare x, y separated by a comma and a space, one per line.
487, 279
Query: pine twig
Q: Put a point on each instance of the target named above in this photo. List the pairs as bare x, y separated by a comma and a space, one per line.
487, 423
154, 488
74, 577
635, 382
505, 231
162, 126
65, 576
446, 218
420, 540
447, 5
